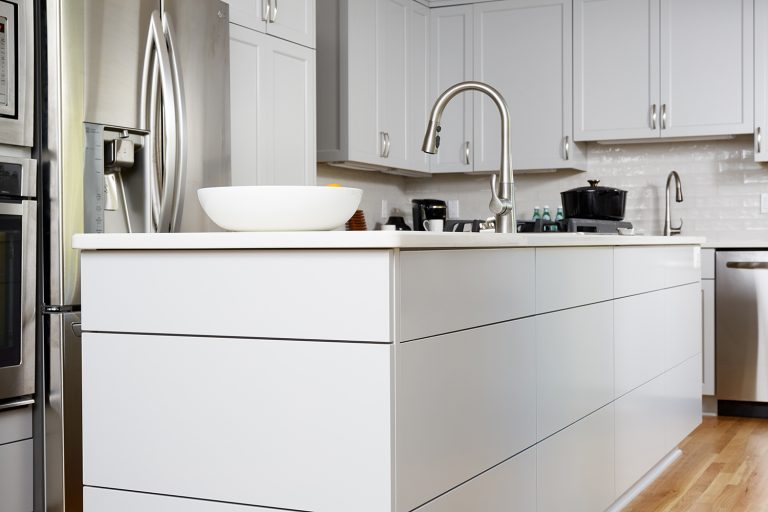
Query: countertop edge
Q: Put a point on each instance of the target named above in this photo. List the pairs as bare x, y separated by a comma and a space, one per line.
359, 240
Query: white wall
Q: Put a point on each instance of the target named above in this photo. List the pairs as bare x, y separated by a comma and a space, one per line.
721, 187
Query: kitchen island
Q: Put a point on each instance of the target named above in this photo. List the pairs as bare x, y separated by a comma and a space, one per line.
381, 371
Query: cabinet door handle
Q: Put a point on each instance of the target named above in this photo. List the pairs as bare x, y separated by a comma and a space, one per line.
567, 147
273, 16
265, 11
385, 145
466, 152
664, 116
653, 116
759, 140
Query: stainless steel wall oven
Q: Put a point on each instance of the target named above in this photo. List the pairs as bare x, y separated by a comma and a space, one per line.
18, 228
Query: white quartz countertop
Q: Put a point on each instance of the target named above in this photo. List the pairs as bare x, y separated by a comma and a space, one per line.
736, 244
359, 240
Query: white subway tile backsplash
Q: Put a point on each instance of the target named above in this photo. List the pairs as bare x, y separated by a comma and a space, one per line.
721, 186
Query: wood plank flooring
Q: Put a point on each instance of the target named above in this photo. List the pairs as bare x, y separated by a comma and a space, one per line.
724, 468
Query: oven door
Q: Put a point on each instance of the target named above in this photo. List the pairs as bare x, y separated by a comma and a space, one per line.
17, 297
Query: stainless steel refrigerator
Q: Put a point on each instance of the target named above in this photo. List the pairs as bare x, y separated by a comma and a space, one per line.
134, 119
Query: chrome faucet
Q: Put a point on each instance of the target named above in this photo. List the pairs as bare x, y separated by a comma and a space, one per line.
502, 203
669, 230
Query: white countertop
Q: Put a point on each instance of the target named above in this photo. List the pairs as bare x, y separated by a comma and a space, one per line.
359, 240
736, 244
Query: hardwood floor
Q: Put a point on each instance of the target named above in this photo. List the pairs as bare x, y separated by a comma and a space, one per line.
724, 468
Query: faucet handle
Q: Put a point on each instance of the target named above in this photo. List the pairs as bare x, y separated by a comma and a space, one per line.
676, 230
497, 206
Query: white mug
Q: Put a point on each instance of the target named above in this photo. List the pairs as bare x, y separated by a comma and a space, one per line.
435, 225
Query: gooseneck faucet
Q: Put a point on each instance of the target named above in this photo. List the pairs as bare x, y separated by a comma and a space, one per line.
502, 195
669, 230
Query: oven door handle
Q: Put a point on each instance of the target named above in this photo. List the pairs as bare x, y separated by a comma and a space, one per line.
13, 404
12, 208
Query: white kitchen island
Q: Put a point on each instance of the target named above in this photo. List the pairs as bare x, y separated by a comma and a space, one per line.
384, 372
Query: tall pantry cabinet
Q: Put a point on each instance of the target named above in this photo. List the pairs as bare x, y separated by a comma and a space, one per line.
272, 63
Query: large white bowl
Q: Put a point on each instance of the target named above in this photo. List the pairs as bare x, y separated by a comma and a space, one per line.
279, 208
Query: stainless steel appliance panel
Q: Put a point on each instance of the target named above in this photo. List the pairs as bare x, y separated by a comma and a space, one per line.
741, 325
115, 38
18, 259
200, 41
63, 425
17, 77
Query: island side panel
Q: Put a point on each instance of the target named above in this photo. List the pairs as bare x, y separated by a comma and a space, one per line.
296, 294
274, 423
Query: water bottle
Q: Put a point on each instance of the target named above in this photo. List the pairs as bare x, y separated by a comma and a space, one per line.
536, 214
546, 215
559, 215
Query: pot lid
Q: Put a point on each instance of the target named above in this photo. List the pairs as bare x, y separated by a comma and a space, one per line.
593, 186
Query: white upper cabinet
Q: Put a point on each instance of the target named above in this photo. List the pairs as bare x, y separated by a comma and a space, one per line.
451, 63
273, 124
523, 49
662, 68
293, 20
706, 67
372, 83
616, 65
761, 80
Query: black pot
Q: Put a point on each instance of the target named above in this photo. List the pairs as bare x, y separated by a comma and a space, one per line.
594, 202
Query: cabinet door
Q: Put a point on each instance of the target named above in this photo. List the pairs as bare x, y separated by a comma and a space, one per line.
273, 126
419, 98
706, 67
249, 13
392, 49
16, 481
523, 48
293, 20
616, 62
451, 63
761, 80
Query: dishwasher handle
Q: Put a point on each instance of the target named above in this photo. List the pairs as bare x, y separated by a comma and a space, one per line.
748, 265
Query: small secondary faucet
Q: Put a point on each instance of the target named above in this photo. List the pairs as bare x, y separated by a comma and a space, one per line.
502, 203
669, 230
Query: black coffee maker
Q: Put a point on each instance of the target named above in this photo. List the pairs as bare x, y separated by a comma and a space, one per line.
426, 209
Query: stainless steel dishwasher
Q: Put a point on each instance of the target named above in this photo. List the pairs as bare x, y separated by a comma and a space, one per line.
741, 332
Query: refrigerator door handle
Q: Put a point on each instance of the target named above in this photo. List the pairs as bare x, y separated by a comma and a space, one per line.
181, 131
156, 41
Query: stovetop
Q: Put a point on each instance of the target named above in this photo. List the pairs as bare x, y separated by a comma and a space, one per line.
595, 226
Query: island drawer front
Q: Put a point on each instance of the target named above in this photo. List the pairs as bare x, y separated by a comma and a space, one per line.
465, 402
667, 333
644, 269
111, 500
312, 294
575, 466
239, 420
448, 290
572, 276
653, 418
509, 486
15, 425
16, 477
574, 365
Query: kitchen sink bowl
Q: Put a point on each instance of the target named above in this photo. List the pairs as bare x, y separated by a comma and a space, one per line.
279, 208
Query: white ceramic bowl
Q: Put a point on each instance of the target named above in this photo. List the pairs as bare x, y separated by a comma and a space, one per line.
279, 208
